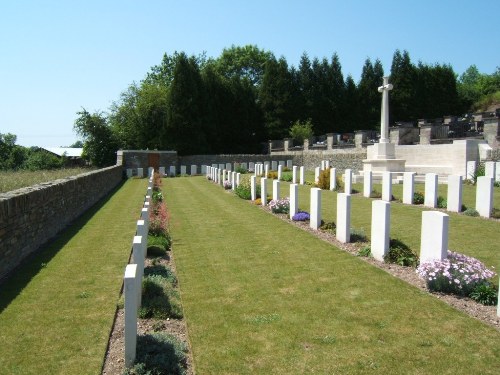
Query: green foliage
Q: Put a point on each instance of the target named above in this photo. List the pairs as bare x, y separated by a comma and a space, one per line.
442, 202
400, 253
162, 271
243, 192
301, 131
495, 213
328, 226
375, 194
478, 172
358, 235
471, 212
159, 298
159, 354
365, 252
478, 90
162, 242
324, 179
241, 170
287, 176
485, 293
418, 198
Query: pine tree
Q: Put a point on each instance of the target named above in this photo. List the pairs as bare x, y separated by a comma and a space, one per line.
403, 99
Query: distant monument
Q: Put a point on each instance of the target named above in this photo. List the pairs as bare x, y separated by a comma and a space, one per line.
382, 155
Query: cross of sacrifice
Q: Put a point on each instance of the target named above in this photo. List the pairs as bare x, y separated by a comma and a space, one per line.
384, 118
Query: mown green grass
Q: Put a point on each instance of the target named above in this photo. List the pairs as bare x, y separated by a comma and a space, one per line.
261, 296
57, 310
12, 180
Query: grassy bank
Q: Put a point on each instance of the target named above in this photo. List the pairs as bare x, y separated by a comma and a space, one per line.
261, 296
57, 310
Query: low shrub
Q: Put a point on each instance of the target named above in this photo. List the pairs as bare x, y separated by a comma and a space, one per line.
273, 175
287, 176
227, 185
154, 251
163, 271
358, 235
459, 274
442, 202
164, 241
157, 197
324, 179
375, 194
328, 226
485, 293
258, 202
158, 219
496, 184
495, 213
159, 354
365, 252
400, 253
280, 206
471, 212
243, 192
159, 299
301, 216
418, 198
241, 170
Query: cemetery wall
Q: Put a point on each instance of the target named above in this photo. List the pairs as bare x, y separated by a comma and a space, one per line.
31, 216
350, 158
223, 159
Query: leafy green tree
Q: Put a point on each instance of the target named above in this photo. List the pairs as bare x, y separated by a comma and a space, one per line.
100, 144
301, 131
39, 159
77, 144
12, 156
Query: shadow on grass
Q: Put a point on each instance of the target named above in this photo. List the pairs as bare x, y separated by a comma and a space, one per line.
16, 281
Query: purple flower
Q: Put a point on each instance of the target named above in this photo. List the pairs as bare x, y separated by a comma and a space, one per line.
301, 216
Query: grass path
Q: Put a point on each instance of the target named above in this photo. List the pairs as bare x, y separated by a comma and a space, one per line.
262, 297
56, 312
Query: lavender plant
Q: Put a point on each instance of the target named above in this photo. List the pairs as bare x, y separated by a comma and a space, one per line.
301, 216
459, 274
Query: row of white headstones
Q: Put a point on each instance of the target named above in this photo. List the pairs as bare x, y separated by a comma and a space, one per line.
435, 224
134, 272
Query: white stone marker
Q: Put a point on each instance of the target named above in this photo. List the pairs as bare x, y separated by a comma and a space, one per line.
251, 166
343, 217
280, 172
183, 170
130, 292
162, 171
220, 181
489, 169
253, 188
381, 223
244, 166
138, 258
348, 181
434, 236
145, 216
263, 190
228, 166
294, 174
484, 195
130, 172
333, 179
322, 165
215, 165
471, 169
327, 164
203, 169
238, 178
233, 180
316, 174
274, 165
276, 190
289, 164
266, 170
294, 199
142, 230
172, 171
454, 197
194, 169
281, 162
224, 178
302, 175
367, 184
220, 166
140, 172
151, 171
386, 186
497, 171
431, 190
315, 208
408, 187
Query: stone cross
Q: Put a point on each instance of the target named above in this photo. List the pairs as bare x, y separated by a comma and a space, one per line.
384, 118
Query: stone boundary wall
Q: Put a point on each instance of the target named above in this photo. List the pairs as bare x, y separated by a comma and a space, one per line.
31, 216
223, 159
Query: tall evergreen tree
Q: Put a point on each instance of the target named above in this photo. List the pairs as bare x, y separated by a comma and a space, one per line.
351, 106
338, 122
369, 97
305, 79
403, 103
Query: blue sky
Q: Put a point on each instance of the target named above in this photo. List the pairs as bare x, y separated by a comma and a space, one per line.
59, 56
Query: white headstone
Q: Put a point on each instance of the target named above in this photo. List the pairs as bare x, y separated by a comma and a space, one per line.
228, 167
162, 171
140, 172
263, 191
381, 222
471, 169
130, 172
280, 172
138, 258
497, 171
315, 213
484, 195
266, 170
183, 170
194, 169
244, 166
233, 180
215, 165
322, 165
253, 187
151, 171
282, 163
294, 199
274, 165
220, 181
408, 187
172, 171
289, 164
130, 285
348, 181
294, 174
386, 186
489, 169
454, 197
302, 175
343, 230
327, 164
276, 190
431, 190
316, 174
434, 236
238, 178
203, 169
333, 179
251, 166
367, 184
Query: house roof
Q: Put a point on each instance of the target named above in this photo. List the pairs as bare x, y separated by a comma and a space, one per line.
69, 151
